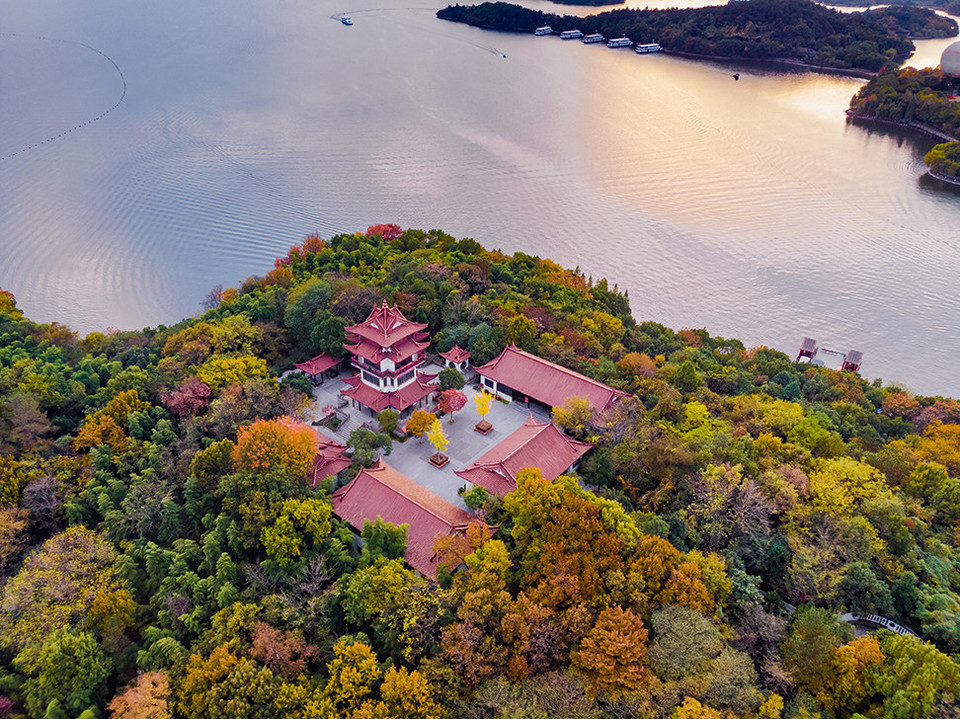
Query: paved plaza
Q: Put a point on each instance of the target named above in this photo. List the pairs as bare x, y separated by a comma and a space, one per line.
411, 457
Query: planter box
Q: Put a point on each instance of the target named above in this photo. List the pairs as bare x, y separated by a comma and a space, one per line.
439, 460
483, 427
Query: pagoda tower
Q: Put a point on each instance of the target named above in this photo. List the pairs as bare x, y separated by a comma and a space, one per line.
387, 349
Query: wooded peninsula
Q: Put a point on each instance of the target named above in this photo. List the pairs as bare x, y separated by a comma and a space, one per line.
171, 543
949, 6
798, 31
922, 100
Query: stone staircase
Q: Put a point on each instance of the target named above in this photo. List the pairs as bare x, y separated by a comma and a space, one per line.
352, 423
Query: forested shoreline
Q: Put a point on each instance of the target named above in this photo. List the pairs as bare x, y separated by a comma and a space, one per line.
164, 555
949, 6
919, 99
794, 30
906, 95
944, 161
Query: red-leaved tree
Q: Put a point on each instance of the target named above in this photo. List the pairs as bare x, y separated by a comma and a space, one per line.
452, 400
387, 232
189, 399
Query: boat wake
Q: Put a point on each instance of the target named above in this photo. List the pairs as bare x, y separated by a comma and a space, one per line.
338, 16
80, 126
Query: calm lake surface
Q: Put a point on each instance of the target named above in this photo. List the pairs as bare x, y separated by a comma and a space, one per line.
750, 208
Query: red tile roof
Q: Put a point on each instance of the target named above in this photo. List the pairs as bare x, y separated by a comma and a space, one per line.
385, 326
399, 400
456, 355
399, 351
382, 491
545, 381
329, 460
321, 363
534, 444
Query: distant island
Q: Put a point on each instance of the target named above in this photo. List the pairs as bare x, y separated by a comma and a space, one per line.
795, 31
950, 6
591, 3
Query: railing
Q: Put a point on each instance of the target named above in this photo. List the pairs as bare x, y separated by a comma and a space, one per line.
878, 622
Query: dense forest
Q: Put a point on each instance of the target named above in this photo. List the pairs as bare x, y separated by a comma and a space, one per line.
794, 30
910, 95
163, 554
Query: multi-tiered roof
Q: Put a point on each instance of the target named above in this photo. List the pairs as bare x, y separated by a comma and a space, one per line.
386, 335
387, 349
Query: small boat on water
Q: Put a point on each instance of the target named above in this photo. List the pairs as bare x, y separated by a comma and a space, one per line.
346, 20
595, 37
619, 42
545, 30
648, 47
570, 34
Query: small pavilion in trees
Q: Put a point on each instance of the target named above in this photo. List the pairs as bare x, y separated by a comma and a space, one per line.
318, 366
387, 350
457, 357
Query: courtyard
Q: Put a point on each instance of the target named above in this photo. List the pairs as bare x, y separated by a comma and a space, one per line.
411, 456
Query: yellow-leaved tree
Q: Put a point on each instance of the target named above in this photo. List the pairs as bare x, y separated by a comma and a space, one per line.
482, 400
436, 436
419, 422
574, 415
221, 371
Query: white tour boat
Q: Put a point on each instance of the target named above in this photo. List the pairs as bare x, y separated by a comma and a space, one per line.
648, 47
595, 37
570, 34
545, 30
619, 42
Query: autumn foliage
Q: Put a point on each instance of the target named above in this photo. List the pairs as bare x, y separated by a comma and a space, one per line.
388, 232
419, 422
613, 655
162, 556
276, 443
452, 400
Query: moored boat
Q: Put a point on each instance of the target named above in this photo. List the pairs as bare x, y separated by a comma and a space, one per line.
648, 47
570, 34
545, 30
619, 42
595, 37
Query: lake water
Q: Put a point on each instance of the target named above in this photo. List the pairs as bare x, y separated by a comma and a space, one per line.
747, 207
